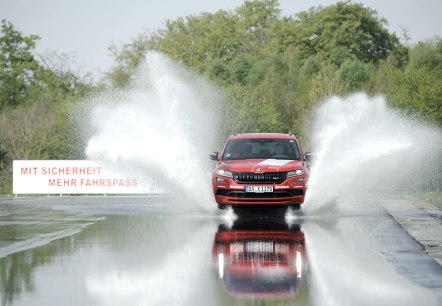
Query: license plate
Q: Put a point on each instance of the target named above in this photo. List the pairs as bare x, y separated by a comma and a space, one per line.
259, 189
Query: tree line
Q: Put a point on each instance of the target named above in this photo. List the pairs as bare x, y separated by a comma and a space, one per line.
274, 69
35, 94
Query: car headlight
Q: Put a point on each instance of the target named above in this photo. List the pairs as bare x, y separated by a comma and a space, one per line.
295, 173
224, 173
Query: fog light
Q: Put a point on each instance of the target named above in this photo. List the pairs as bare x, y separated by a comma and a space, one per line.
219, 179
301, 179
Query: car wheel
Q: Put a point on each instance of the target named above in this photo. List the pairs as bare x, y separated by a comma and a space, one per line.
296, 206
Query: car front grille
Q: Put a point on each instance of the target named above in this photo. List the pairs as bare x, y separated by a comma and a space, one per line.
269, 195
264, 178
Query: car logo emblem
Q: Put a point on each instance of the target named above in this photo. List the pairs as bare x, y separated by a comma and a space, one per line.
258, 170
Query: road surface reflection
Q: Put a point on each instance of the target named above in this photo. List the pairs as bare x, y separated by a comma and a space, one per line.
260, 258
125, 254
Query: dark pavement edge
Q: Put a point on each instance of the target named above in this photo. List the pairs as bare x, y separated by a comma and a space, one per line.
421, 220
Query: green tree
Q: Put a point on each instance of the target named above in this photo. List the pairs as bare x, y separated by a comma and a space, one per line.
18, 67
418, 93
128, 57
35, 97
197, 40
277, 69
241, 66
344, 31
427, 55
256, 19
353, 74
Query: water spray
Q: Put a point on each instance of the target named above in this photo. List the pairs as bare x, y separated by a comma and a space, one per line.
161, 126
364, 149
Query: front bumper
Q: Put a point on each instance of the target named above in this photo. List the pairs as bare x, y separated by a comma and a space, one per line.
229, 192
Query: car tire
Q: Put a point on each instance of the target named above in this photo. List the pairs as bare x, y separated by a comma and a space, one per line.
295, 206
222, 206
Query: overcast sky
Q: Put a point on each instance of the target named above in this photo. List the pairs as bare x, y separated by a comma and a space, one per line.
88, 27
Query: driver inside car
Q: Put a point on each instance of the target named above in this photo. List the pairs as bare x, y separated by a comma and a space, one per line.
280, 151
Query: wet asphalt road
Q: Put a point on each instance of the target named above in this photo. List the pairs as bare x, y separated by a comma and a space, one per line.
151, 251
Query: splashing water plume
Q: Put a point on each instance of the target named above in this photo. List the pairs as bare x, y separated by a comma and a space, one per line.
364, 149
162, 125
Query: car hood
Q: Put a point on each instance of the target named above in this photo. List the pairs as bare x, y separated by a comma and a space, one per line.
265, 165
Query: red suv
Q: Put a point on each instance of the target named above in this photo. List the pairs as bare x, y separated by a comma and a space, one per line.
260, 169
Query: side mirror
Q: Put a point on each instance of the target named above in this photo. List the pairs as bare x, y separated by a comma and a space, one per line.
308, 159
214, 156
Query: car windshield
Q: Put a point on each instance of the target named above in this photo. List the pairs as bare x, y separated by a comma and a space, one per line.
257, 148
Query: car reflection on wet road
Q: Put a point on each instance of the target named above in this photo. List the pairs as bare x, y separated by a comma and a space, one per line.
143, 251
260, 259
